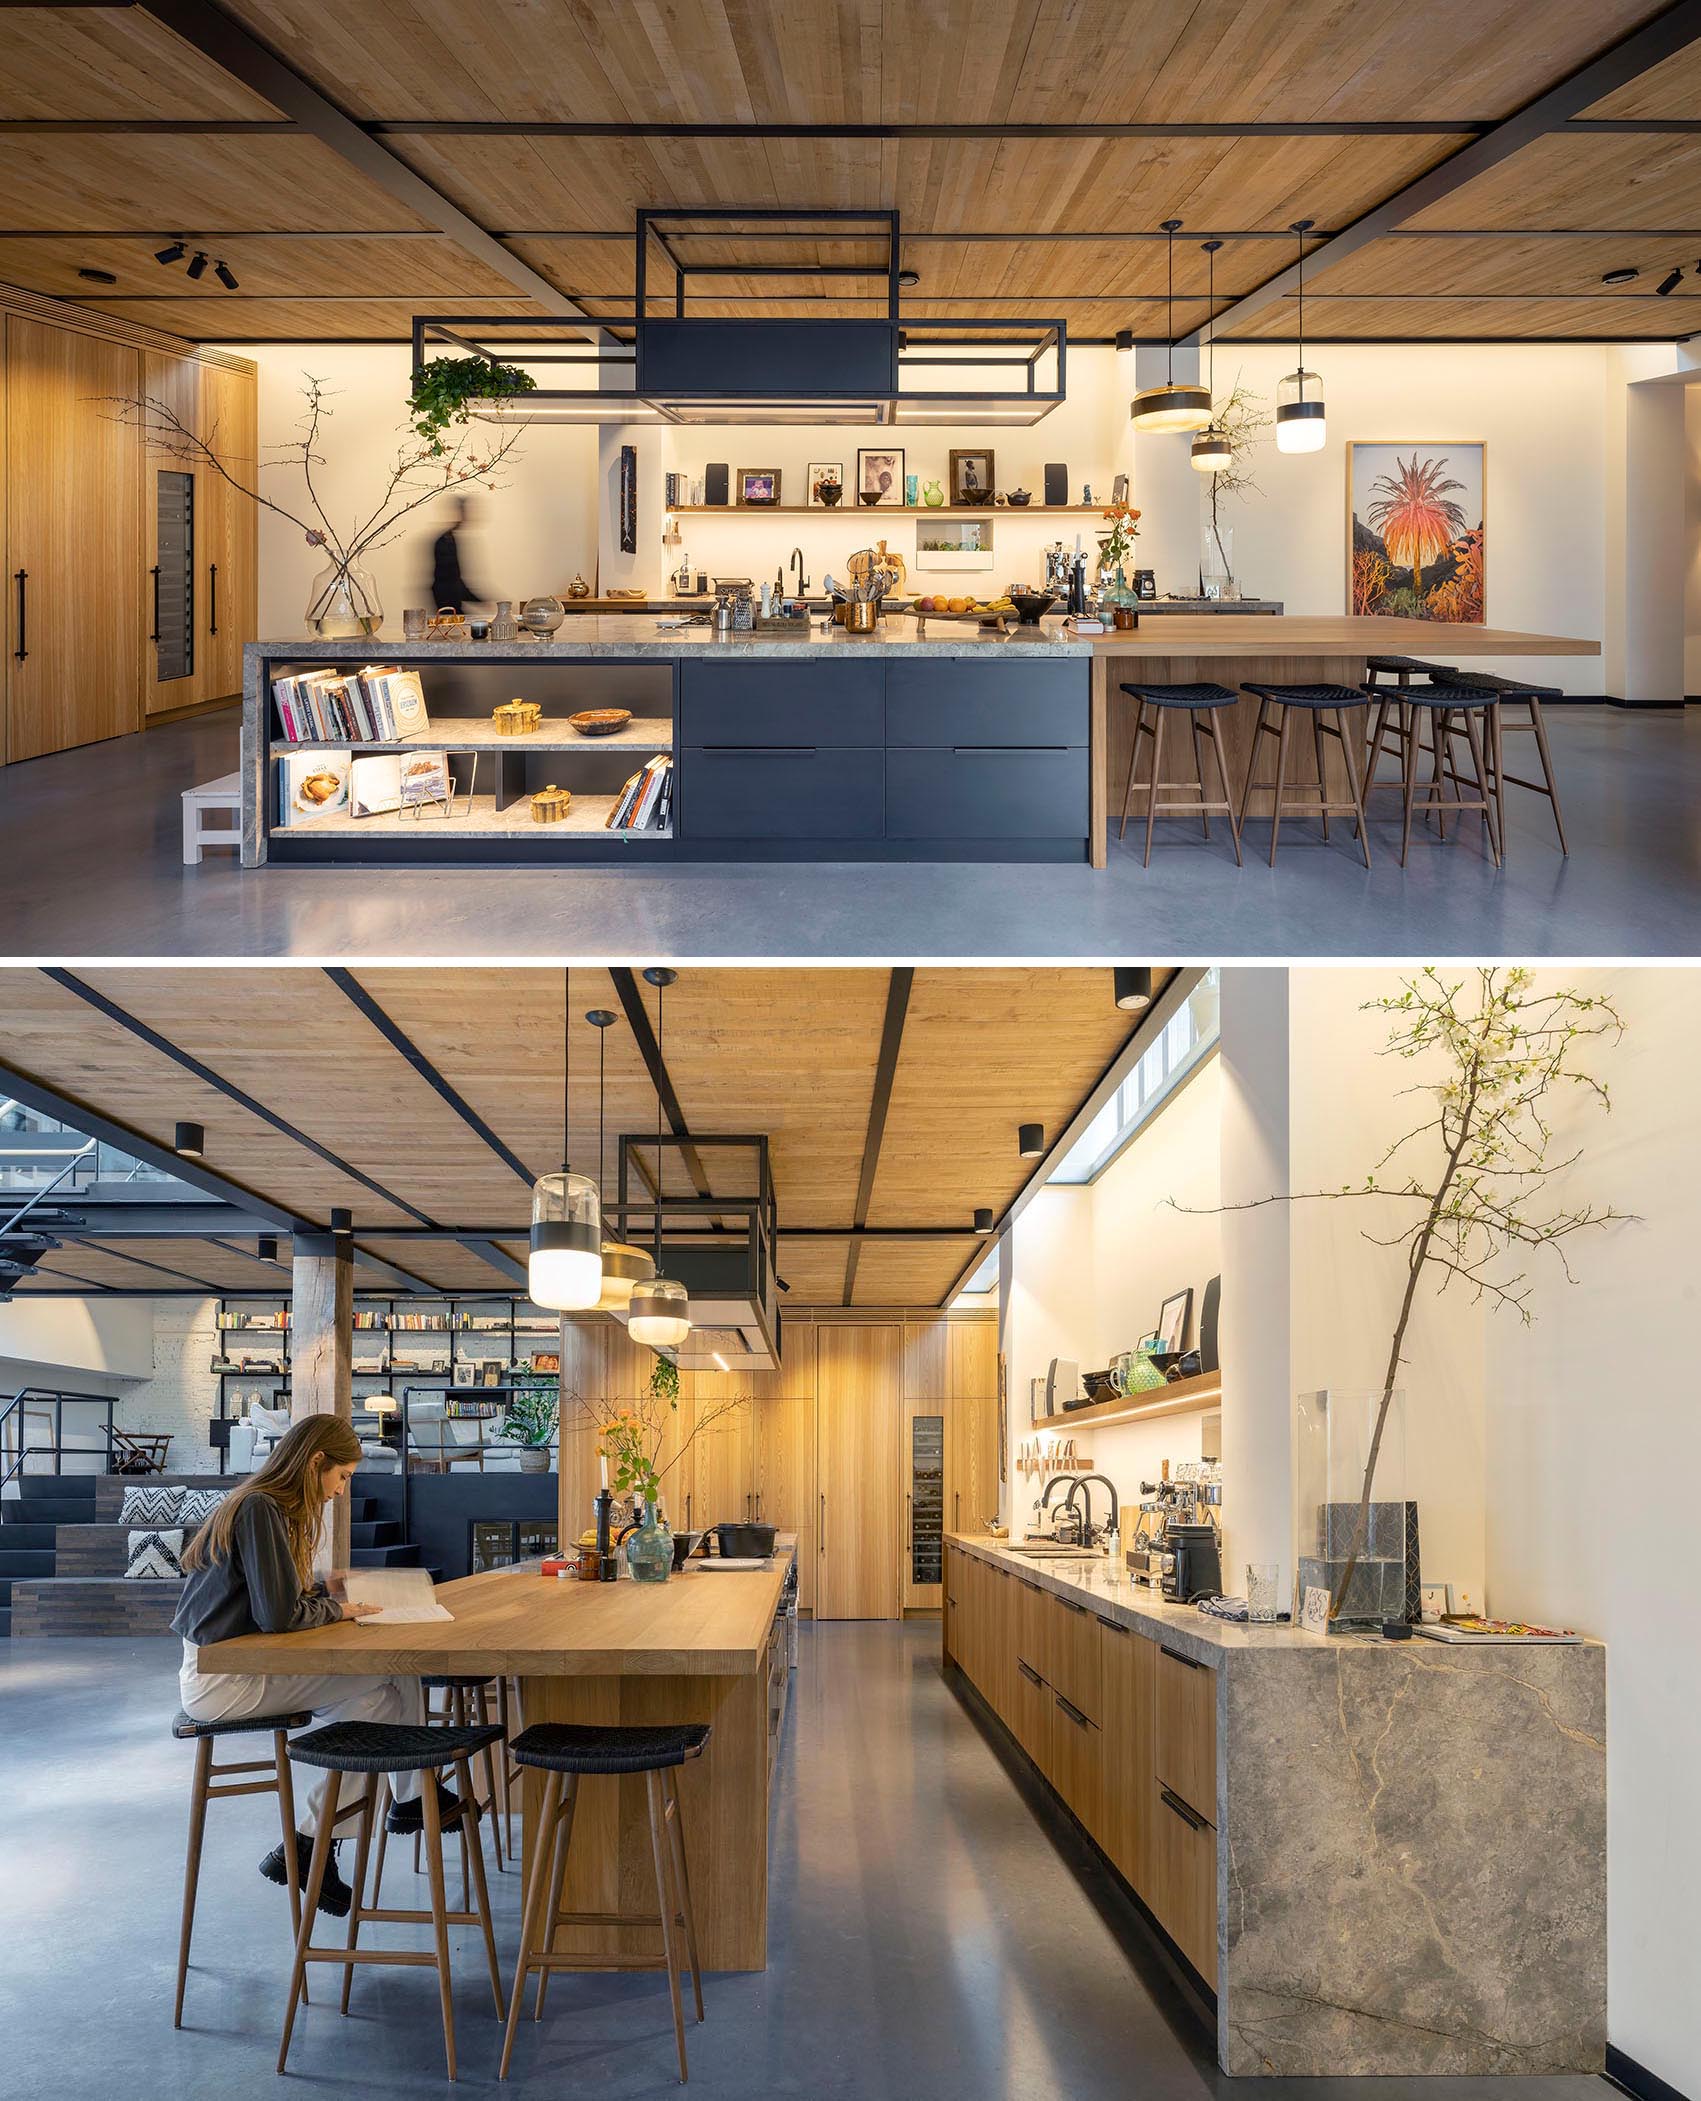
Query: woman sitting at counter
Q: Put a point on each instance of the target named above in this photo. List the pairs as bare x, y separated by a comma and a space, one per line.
250, 1571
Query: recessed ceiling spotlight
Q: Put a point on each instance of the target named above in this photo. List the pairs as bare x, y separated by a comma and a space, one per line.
222, 271
198, 263
173, 253
1620, 277
96, 277
1668, 285
1133, 988
190, 1141
909, 279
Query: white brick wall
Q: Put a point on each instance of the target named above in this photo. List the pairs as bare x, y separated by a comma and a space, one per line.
182, 1397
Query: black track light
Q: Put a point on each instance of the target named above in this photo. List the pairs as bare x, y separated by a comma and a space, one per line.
342, 1222
1669, 284
1125, 339
198, 263
190, 1140
1133, 988
174, 253
1030, 1141
266, 1248
781, 1283
222, 271
983, 1220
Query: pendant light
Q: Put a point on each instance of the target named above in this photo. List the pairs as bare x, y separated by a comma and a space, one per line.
659, 1311
1300, 425
1212, 452
623, 1265
1172, 406
564, 1271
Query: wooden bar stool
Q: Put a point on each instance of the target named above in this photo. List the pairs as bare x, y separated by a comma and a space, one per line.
566, 1752
1394, 715
1197, 702
381, 1749
468, 1704
1450, 711
203, 1735
1318, 702
1514, 694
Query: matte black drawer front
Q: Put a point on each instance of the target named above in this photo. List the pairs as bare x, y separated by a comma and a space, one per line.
935, 704
768, 703
986, 794
780, 792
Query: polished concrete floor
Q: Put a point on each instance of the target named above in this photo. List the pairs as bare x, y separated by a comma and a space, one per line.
928, 1937
90, 865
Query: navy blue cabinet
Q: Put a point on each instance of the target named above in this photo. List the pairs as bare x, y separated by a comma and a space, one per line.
938, 705
797, 792
766, 702
986, 795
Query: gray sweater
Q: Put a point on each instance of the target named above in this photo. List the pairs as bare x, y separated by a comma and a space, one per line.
255, 1589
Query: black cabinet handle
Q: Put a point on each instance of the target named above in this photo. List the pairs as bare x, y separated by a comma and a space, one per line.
1175, 1656
22, 649
154, 573
1112, 1626
1027, 1670
1187, 1816
969, 751
1073, 1712
212, 598
1069, 1605
760, 751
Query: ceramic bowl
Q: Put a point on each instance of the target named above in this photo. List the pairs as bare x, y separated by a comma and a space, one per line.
600, 722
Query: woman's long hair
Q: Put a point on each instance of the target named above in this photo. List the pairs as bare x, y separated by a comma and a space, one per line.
293, 1482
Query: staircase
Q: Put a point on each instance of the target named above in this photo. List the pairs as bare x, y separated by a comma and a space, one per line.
29, 1526
376, 1542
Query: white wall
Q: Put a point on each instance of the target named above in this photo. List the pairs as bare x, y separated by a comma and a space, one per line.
529, 536
82, 1345
181, 1397
1692, 541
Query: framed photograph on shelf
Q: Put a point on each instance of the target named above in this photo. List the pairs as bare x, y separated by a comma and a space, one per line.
1172, 1321
879, 475
824, 484
1416, 530
973, 478
758, 488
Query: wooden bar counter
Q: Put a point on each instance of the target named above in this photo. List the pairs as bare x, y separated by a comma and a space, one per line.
699, 1647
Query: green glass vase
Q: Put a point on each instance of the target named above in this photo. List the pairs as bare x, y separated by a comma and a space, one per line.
649, 1549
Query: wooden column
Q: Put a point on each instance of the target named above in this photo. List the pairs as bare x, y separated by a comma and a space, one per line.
321, 1335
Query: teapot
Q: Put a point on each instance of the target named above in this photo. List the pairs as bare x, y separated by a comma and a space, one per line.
1020, 497
578, 588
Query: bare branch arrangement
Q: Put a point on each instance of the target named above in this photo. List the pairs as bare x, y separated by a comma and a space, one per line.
423, 469
1477, 1200
630, 1432
1239, 422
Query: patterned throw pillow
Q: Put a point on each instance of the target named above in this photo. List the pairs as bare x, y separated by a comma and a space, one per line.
155, 1554
197, 1506
151, 1506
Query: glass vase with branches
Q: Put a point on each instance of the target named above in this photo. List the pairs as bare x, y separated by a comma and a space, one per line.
1239, 421
632, 1431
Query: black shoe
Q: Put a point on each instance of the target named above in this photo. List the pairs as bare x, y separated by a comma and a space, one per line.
405, 1818
334, 1894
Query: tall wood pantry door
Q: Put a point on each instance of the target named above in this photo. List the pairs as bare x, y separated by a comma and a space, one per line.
226, 564
858, 1424
73, 620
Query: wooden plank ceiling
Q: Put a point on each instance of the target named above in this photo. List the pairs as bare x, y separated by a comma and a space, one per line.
337, 1114
998, 128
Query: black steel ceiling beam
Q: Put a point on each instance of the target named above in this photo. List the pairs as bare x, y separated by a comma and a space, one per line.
399, 1040
898, 988
219, 37
100, 1220
164, 1269
557, 128
1627, 60
638, 1021
70, 982
504, 1264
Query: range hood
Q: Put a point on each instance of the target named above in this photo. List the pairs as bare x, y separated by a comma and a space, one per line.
659, 366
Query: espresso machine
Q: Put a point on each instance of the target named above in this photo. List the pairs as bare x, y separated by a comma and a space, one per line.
1177, 1546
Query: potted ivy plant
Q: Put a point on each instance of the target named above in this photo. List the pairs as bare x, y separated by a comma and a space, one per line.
530, 1423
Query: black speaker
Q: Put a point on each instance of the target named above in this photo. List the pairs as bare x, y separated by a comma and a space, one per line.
1209, 1307
716, 482
1056, 482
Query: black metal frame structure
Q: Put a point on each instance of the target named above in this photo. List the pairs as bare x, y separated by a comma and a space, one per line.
721, 1248
685, 369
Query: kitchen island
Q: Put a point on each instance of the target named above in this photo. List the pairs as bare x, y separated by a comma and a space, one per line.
1381, 1857
960, 743
703, 1646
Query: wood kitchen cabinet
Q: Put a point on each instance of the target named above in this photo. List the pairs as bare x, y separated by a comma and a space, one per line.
1185, 1730
1074, 1651
1181, 1879
972, 1471
858, 1411
1128, 1692
998, 1598
1032, 1696
1077, 1761
722, 1460
783, 1423
73, 528
226, 563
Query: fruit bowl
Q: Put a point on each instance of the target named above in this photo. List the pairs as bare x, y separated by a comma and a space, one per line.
1032, 606
600, 722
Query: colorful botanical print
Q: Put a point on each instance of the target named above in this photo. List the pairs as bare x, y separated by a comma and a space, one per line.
1417, 531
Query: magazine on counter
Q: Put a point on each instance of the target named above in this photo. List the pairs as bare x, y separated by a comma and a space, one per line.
1464, 1629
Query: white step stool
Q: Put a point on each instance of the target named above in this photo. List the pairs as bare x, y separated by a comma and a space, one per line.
210, 799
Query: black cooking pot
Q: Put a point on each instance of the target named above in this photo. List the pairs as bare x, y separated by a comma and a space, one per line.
745, 1542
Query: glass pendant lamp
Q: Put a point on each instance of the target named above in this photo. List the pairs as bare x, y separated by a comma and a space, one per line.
564, 1268
623, 1265
1175, 405
1211, 449
1300, 421
659, 1310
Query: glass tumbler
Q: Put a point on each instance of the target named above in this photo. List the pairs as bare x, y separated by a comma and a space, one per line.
1261, 1592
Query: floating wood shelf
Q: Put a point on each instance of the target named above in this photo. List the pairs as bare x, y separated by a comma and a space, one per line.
884, 510
1180, 1397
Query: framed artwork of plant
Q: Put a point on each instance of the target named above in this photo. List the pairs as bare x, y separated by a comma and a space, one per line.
1416, 525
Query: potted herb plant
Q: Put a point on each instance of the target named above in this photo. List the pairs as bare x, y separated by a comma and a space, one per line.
530, 1422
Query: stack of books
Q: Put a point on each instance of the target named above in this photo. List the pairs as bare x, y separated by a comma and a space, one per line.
378, 704
646, 801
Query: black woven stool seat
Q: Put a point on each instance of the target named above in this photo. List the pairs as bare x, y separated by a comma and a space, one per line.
1311, 696
387, 1747
1202, 695
471, 1684
1473, 695
186, 1726
584, 1747
1394, 665
1492, 682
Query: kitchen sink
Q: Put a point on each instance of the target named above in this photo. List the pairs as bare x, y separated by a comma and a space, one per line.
1050, 1550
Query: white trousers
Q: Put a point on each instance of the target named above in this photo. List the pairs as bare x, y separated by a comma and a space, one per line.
332, 1696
